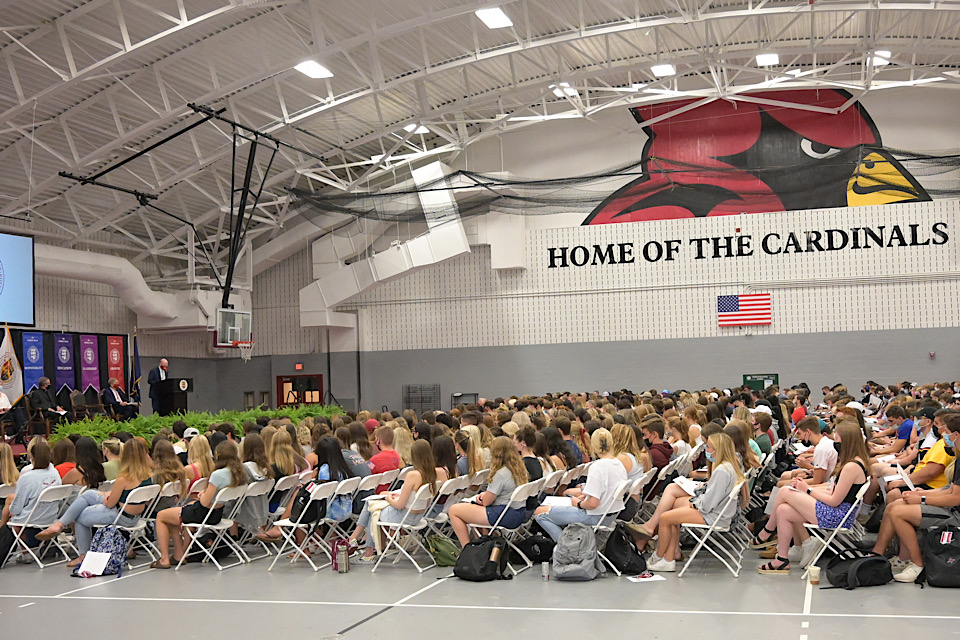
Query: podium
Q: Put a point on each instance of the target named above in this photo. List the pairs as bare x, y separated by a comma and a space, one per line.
172, 395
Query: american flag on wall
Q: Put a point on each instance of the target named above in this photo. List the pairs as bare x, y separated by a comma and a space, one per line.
752, 308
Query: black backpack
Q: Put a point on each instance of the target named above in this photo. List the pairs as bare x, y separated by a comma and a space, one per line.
6, 543
852, 568
622, 553
483, 559
941, 556
316, 510
537, 548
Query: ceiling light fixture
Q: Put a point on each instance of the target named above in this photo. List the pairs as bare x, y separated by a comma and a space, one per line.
563, 90
767, 59
313, 69
663, 70
795, 72
494, 18
636, 86
418, 129
881, 58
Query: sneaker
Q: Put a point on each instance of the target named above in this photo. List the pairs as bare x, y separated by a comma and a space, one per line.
897, 565
865, 512
366, 559
909, 573
662, 565
795, 553
24, 558
654, 558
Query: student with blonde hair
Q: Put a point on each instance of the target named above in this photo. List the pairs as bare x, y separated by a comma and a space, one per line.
94, 507
199, 460
507, 472
704, 508
592, 501
403, 443
634, 461
9, 474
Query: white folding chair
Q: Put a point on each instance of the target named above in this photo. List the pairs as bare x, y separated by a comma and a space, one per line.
219, 530
826, 536
412, 521
437, 513
346, 489
290, 527
51, 500
518, 500
637, 490
612, 507
106, 486
169, 490
137, 537
722, 542
551, 481
388, 477
258, 490
397, 481
285, 484
199, 486
7, 490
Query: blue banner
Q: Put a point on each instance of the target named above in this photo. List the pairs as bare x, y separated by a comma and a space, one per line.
32, 360
63, 347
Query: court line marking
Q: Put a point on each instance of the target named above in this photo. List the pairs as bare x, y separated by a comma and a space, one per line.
486, 607
388, 608
104, 582
804, 625
26, 605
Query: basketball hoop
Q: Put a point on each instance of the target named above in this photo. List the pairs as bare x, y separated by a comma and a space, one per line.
246, 349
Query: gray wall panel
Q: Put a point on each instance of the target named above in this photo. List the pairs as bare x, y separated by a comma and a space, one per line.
828, 358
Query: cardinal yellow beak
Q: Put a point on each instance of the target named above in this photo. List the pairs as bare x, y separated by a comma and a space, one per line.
880, 179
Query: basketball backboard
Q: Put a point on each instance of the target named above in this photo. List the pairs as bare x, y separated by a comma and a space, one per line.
232, 326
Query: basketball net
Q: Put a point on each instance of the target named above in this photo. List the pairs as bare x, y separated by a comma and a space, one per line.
246, 349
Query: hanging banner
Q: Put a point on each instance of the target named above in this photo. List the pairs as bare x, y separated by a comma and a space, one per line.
11, 377
89, 365
134, 392
32, 360
115, 359
63, 346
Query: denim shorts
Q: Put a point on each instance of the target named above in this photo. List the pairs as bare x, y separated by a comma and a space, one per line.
512, 519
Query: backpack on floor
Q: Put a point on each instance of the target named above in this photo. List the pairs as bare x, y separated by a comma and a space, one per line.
482, 560
940, 547
852, 568
622, 553
112, 541
6, 543
537, 548
443, 550
575, 556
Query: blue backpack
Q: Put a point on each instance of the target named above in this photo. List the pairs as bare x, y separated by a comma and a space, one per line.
109, 540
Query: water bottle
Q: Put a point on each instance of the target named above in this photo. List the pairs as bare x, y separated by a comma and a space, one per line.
545, 570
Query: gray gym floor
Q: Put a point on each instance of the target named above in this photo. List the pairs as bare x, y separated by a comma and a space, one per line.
397, 602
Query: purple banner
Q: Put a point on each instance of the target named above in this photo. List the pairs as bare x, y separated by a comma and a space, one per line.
89, 366
63, 352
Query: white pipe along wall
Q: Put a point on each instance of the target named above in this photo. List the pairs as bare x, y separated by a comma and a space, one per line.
118, 272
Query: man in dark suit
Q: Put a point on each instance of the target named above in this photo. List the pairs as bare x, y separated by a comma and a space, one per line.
44, 400
116, 398
156, 375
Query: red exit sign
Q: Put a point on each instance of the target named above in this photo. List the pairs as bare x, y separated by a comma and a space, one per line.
298, 366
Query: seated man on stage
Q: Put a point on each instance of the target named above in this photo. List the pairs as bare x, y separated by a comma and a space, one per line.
44, 400
10, 422
115, 397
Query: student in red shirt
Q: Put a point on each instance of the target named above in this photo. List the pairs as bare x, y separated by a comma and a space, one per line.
388, 458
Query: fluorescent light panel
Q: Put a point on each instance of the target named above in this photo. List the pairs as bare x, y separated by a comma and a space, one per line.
563, 89
663, 70
767, 59
494, 18
313, 69
881, 58
416, 128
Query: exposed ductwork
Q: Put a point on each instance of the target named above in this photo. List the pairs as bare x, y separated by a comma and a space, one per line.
336, 282
119, 273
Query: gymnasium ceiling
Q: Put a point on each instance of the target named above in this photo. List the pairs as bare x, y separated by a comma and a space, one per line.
86, 84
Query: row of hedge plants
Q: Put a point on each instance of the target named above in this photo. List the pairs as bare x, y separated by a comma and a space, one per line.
99, 428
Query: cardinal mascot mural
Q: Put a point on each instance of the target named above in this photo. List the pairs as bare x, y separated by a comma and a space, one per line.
727, 158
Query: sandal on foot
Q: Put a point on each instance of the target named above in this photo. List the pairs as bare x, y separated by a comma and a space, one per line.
76, 562
757, 543
156, 564
47, 534
639, 530
264, 537
769, 568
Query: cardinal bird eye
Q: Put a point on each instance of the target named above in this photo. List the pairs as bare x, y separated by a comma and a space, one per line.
818, 150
